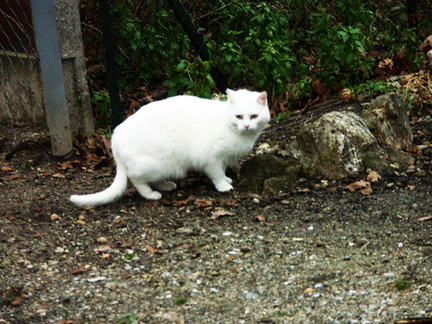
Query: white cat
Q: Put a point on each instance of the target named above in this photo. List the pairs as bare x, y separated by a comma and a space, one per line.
166, 139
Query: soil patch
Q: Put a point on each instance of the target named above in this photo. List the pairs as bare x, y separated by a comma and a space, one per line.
316, 254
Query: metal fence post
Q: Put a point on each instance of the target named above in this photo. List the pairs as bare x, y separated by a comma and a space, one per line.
111, 63
43, 12
412, 15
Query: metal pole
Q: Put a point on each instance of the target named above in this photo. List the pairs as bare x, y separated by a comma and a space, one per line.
412, 15
43, 12
111, 63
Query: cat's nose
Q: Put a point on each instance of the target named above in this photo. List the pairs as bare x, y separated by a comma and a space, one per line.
246, 126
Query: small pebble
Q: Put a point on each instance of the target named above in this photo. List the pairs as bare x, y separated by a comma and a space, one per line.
184, 230
96, 279
319, 286
256, 200
102, 240
388, 274
111, 286
59, 250
250, 295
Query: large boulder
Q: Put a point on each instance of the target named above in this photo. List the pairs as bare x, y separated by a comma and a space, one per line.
337, 145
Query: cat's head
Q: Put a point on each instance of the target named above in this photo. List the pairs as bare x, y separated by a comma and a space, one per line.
248, 110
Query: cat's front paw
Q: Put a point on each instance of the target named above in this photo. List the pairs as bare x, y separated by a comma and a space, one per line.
224, 187
154, 195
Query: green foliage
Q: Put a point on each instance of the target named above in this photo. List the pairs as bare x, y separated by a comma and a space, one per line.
181, 301
127, 319
101, 106
152, 47
402, 284
342, 50
256, 45
372, 88
282, 117
279, 46
191, 77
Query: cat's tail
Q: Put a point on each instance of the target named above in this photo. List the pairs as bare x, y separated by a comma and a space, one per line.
112, 193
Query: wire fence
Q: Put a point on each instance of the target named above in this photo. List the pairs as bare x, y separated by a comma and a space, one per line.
16, 32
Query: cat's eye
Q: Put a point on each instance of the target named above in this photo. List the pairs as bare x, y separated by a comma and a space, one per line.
239, 117
253, 116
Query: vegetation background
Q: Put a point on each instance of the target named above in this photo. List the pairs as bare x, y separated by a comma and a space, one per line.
301, 52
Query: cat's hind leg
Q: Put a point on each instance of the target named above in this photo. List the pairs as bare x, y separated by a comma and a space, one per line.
145, 190
164, 185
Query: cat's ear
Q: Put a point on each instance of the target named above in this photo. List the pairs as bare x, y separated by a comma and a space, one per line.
230, 95
262, 99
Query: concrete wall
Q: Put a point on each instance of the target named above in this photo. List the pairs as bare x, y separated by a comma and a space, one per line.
21, 95
21, 91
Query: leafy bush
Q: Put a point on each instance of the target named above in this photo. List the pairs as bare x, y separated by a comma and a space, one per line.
279, 46
256, 46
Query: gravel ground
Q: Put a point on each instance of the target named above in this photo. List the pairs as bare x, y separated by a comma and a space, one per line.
315, 254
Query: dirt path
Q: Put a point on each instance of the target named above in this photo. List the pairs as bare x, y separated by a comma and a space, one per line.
318, 254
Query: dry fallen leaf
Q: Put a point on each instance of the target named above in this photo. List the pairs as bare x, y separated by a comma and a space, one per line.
259, 218
67, 165
358, 184
151, 249
373, 176
203, 203
58, 175
6, 169
64, 322
15, 302
366, 191
180, 203
304, 190
11, 177
220, 212
77, 271
425, 218
103, 248
345, 94
154, 250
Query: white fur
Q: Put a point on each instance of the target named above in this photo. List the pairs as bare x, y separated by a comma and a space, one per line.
166, 139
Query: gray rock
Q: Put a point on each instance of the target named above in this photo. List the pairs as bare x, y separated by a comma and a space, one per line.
338, 145
269, 173
387, 118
